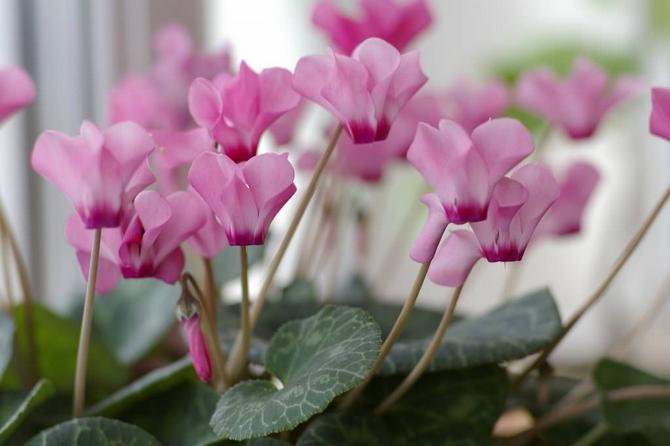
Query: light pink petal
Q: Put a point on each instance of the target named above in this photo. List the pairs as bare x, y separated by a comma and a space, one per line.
154, 212
343, 32
209, 175
129, 144
17, 91
241, 214
659, 120
173, 42
211, 239
170, 267
205, 103
284, 129
241, 99
407, 81
540, 92
455, 259
503, 143
189, 214
587, 80
197, 347
141, 179
381, 60
399, 22
310, 76
429, 238
181, 147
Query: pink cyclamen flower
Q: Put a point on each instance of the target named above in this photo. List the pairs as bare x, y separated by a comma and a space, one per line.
245, 197
366, 91
148, 245
197, 346
237, 110
17, 91
577, 185
136, 98
471, 105
175, 151
94, 169
283, 130
397, 22
517, 206
659, 120
576, 104
463, 169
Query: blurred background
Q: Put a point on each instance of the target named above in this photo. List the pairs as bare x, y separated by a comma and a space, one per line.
76, 50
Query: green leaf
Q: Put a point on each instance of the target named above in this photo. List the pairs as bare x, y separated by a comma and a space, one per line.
154, 382
512, 331
57, 340
93, 431
6, 340
316, 359
134, 318
185, 411
650, 417
16, 405
420, 325
445, 408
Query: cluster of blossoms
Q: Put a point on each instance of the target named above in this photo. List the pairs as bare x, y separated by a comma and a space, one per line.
179, 162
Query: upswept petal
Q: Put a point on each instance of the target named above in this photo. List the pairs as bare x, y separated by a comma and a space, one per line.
455, 259
431, 233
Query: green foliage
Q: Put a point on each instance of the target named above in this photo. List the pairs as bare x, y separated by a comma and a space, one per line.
94, 431
512, 331
315, 360
134, 318
6, 340
16, 405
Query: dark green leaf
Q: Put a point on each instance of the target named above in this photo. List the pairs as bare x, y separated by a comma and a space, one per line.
154, 382
57, 340
316, 359
6, 340
16, 405
179, 416
132, 319
420, 325
444, 408
650, 417
512, 331
94, 432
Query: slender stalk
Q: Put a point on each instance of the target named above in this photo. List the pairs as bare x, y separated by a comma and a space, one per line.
593, 435
310, 240
218, 355
28, 317
85, 335
427, 357
257, 307
210, 288
598, 293
6, 273
512, 279
392, 337
240, 362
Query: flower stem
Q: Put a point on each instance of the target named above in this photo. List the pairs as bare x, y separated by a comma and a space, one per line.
257, 307
598, 293
240, 362
392, 337
593, 435
28, 317
85, 335
426, 359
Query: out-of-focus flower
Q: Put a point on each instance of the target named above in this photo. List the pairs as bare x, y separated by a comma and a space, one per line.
283, 130
95, 169
197, 345
578, 103
157, 99
148, 245
471, 105
237, 110
17, 91
366, 91
577, 185
659, 120
397, 22
245, 197
517, 206
463, 169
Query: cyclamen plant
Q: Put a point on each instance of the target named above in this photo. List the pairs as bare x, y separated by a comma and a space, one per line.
175, 185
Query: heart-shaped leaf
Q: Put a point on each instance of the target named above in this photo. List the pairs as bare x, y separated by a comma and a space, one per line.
6, 340
94, 431
154, 382
134, 318
16, 405
445, 408
512, 331
57, 339
647, 416
315, 359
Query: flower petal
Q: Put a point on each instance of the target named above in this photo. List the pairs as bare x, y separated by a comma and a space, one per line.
455, 259
429, 238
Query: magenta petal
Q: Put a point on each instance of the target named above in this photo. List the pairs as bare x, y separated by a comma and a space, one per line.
197, 347
503, 143
205, 103
17, 91
455, 259
429, 238
659, 120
